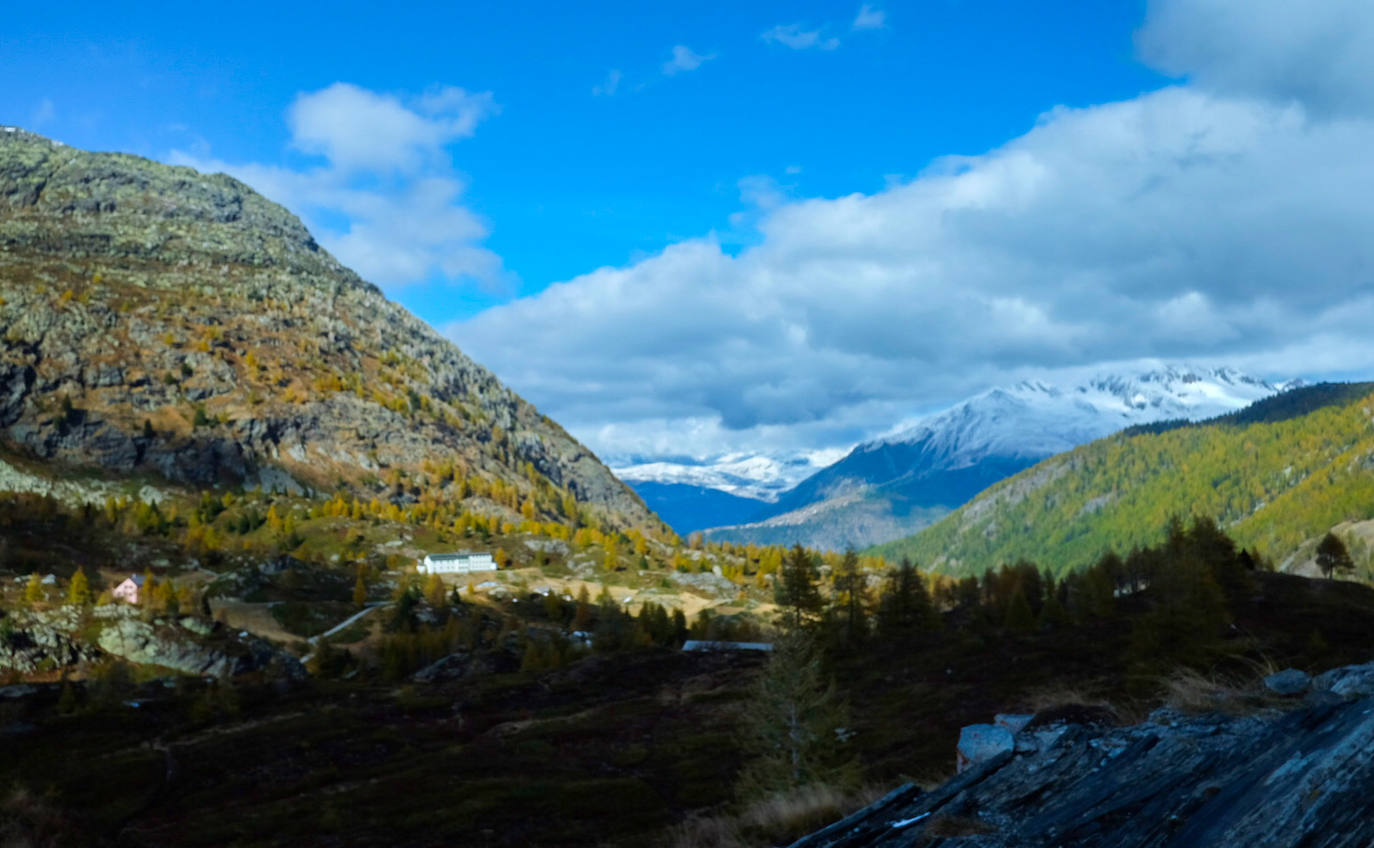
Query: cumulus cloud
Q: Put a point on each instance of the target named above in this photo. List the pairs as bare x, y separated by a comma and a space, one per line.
869, 18
1181, 224
386, 175
685, 59
797, 37
1318, 53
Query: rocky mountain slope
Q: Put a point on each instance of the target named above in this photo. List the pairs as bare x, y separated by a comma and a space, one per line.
893, 486
155, 320
1277, 475
1276, 777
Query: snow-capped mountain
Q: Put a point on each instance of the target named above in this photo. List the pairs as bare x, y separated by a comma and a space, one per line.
759, 476
693, 494
894, 485
1038, 419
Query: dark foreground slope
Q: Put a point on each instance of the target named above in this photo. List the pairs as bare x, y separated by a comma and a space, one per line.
1271, 779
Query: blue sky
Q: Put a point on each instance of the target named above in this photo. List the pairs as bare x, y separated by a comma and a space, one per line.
566, 180
704, 228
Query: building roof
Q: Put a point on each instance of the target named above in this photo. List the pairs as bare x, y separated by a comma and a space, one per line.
704, 645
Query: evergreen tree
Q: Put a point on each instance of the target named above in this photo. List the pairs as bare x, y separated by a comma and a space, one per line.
851, 600
905, 606
582, 615
796, 728
796, 593
1019, 617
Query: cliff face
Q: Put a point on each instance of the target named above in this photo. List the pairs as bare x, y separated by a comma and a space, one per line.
156, 319
1277, 778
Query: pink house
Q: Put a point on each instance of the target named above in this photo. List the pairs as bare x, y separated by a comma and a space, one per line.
128, 590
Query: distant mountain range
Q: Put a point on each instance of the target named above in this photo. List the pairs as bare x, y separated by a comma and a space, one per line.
692, 494
1276, 476
895, 485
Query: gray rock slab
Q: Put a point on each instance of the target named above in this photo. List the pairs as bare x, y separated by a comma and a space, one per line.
1290, 681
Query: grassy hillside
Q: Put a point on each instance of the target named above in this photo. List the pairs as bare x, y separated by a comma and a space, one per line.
1275, 476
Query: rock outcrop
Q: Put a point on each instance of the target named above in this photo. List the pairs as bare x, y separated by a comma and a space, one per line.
66, 636
156, 319
32, 642
1300, 776
185, 649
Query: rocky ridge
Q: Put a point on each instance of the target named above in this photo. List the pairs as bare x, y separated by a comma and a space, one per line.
159, 321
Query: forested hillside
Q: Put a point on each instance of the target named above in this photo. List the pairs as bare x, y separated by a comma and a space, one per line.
1276, 476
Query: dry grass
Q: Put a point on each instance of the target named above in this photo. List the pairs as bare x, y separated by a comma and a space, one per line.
1192, 691
1057, 696
779, 819
1067, 703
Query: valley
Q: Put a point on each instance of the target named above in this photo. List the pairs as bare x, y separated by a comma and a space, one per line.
223, 456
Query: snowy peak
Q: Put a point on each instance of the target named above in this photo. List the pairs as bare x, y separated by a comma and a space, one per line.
759, 476
1036, 418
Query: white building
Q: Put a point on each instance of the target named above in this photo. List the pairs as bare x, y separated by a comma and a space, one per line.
463, 563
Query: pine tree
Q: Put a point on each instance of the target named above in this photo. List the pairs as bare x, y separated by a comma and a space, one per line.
851, 599
1019, 618
795, 730
796, 591
360, 590
582, 617
905, 606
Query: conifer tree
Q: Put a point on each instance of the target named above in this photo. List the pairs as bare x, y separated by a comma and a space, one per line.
796, 591
795, 731
1019, 617
79, 592
905, 606
851, 599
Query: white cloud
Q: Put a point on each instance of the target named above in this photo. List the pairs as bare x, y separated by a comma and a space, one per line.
608, 87
1180, 224
684, 59
386, 175
1320, 52
360, 130
796, 37
869, 18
